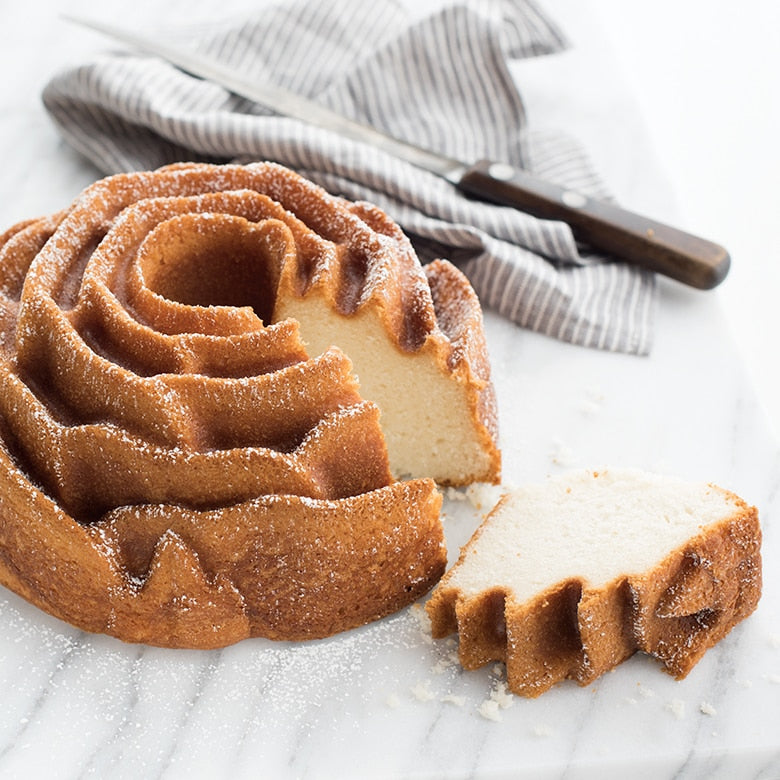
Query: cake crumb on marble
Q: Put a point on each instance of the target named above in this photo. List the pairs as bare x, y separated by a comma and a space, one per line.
422, 691
677, 708
489, 710
562, 454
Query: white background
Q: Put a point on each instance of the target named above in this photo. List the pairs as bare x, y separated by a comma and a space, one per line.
706, 74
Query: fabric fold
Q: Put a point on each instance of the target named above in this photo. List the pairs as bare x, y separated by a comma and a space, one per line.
441, 81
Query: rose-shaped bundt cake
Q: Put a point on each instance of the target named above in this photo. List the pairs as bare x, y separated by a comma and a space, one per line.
203, 369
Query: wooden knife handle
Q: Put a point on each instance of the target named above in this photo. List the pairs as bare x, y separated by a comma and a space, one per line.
604, 226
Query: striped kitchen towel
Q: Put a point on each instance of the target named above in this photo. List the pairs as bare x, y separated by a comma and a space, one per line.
440, 80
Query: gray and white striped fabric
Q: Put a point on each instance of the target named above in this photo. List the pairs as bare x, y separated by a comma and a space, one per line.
441, 81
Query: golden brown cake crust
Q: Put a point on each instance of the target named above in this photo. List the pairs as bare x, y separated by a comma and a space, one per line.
153, 412
674, 611
459, 317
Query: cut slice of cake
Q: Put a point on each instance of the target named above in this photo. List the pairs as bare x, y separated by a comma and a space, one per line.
567, 578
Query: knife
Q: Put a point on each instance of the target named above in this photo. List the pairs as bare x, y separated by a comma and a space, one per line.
603, 226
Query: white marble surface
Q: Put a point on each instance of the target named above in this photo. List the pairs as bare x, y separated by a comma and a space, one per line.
385, 700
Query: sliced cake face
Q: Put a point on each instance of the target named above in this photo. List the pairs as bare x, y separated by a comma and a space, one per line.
569, 577
438, 416
592, 528
416, 340
153, 412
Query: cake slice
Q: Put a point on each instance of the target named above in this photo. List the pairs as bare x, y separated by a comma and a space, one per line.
567, 578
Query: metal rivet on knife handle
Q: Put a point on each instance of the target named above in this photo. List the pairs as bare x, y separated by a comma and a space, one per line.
603, 226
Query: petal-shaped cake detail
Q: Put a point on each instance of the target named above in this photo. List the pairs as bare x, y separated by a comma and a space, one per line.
190, 452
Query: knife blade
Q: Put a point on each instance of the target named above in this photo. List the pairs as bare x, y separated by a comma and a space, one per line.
602, 225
